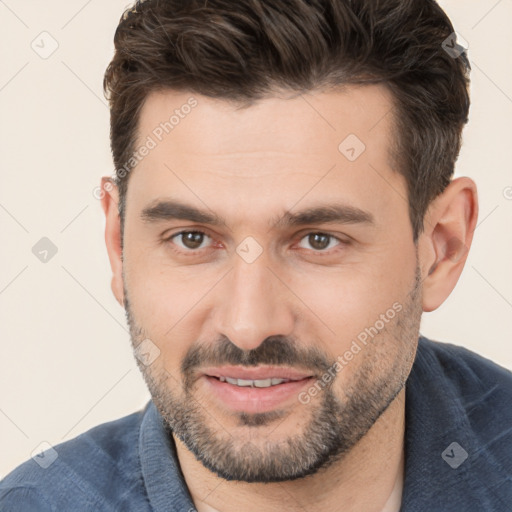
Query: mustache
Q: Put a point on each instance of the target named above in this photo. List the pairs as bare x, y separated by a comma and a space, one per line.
274, 351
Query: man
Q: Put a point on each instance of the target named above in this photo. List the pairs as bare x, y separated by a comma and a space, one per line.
283, 211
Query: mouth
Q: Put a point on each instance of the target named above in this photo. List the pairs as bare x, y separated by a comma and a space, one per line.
255, 390
255, 383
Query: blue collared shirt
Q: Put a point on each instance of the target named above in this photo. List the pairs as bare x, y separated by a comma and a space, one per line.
458, 450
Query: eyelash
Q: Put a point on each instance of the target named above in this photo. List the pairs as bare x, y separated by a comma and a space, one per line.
193, 252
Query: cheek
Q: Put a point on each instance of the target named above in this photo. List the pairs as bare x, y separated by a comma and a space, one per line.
348, 301
146, 269
161, 304
168, 302
155, 298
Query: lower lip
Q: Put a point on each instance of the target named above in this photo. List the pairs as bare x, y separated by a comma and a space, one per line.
254, 400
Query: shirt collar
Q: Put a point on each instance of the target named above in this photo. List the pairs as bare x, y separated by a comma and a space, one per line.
164, 481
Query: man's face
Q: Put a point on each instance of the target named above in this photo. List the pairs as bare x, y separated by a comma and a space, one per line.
331, 306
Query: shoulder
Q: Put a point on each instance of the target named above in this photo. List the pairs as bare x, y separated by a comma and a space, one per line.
466, 372
476, 387
93, 471
458, 431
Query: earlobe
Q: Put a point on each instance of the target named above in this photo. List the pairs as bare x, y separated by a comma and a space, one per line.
449, 226
109, 203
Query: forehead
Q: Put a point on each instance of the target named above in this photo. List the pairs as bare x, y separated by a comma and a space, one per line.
332, 144
316, 121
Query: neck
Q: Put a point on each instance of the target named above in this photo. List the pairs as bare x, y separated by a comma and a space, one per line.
369, 477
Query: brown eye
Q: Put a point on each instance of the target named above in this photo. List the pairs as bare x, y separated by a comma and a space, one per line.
191, 240
320, 241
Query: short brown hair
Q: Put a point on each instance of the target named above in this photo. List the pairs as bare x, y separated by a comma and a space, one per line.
243, 50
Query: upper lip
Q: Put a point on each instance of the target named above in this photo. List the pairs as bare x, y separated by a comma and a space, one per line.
256, 373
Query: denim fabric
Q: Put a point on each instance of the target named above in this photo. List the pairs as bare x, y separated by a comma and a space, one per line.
458, 448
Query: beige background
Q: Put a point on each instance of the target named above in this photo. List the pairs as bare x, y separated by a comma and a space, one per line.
66, 363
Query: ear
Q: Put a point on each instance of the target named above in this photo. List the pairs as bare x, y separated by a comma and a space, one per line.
444, 244
109, 203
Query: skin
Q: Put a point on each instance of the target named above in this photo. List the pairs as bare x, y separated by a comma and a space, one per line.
250, 165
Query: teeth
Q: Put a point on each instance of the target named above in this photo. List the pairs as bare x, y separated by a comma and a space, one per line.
256, 383
263, 383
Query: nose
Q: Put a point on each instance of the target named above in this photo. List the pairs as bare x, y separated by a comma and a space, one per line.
253, 304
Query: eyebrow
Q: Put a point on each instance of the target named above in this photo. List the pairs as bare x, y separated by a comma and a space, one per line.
164, 210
